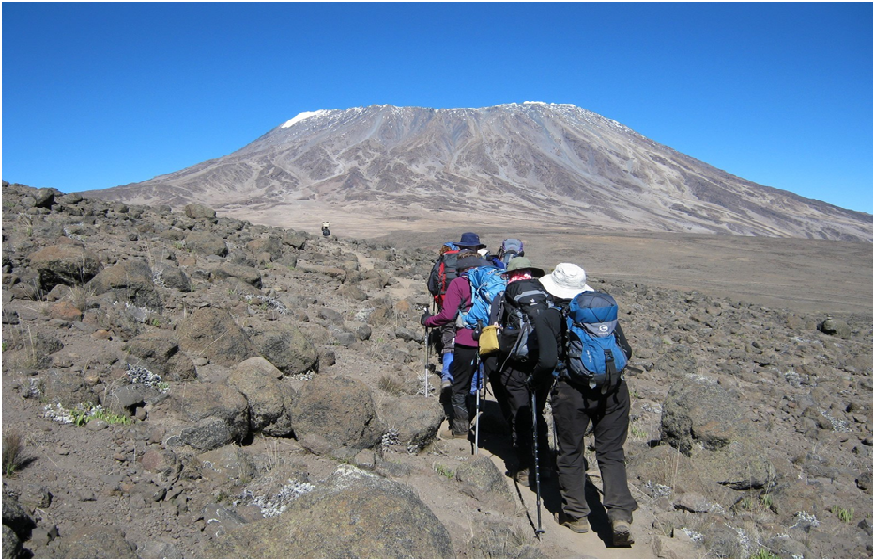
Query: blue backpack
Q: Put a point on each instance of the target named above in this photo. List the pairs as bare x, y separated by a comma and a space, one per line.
486, 282
594, 355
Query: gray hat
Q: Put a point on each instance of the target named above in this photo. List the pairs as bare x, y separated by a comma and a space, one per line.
566, 281
523, 263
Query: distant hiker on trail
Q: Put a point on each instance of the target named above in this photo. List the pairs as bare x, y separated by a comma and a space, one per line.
576, 401
465, 354
326, 229
527, 320
442, 274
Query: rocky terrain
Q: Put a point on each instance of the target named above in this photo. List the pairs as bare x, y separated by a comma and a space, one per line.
177, 384
540, 163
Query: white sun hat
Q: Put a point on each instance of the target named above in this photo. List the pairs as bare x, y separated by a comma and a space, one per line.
566, 281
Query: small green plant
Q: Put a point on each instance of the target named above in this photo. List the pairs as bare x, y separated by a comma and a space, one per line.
844, 514
13, 452
763, 553
88, 412
767, 500
638, 432
444, 471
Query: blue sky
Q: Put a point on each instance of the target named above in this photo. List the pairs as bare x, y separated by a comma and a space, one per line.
101, 94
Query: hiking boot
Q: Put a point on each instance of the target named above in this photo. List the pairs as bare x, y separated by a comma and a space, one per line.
622, 533
523, 477
460, 427
578, 525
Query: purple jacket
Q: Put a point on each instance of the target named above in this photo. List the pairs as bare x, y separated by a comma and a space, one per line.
457, 299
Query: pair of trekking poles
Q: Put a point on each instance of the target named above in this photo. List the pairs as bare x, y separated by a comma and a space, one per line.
480, 386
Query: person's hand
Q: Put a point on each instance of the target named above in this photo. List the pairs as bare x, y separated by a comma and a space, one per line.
425, 316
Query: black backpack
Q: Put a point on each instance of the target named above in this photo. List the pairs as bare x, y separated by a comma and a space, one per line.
519, 304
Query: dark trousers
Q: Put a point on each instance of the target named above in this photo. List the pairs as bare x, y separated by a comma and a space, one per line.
464, 363
514, 395
573, 408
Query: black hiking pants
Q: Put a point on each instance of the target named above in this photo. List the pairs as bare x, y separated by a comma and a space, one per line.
464, 364
573, 407
514, 394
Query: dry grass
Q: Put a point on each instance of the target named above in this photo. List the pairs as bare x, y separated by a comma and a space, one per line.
390, 385
13, 452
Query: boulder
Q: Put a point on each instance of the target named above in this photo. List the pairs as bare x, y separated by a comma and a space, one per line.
206, 243
272, 245
227, 465
200, 212
11, 543
697, 410
835, 327
336, 416
488, 482
159, 352
287, 348
69, 264
170, 276
270, 399
128, 281
213, 416
213, 334
66, 388
93, 541
414, 418
246, 274
355, 514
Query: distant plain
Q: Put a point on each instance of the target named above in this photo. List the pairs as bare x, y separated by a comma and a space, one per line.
806, 276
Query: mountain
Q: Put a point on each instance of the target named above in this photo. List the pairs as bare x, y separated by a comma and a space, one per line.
545, 163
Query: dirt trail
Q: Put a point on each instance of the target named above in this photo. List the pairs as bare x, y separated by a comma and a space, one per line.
556, 540
595, 544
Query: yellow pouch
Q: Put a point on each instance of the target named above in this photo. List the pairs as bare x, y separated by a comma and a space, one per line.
488, 340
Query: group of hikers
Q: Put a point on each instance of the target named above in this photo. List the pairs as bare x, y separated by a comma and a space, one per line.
535, 335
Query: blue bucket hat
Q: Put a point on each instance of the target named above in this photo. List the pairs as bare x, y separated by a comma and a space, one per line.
469, 239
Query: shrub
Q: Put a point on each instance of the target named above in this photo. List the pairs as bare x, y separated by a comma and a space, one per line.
13, 452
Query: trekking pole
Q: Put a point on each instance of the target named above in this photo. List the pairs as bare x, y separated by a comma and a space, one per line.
425, 370
539, 528
479, 385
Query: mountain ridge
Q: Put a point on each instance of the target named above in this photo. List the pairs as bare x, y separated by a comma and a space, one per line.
555, 163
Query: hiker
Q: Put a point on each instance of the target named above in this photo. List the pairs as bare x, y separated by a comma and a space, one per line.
574, 406
442, 274
464, 361
516, 376
326, 229
510, 249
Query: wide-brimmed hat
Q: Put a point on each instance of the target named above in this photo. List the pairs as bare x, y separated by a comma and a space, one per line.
469, 239
523, 263
469, 262
566, 281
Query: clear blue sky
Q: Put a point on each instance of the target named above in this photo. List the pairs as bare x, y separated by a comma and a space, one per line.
101, 94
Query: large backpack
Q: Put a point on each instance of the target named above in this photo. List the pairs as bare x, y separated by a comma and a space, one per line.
518, 306
594, 355
510, 248
486, 282
444, 272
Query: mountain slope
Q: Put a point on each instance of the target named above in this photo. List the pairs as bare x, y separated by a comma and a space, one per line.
557, 164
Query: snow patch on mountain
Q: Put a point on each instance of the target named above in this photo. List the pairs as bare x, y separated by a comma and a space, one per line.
304, 115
